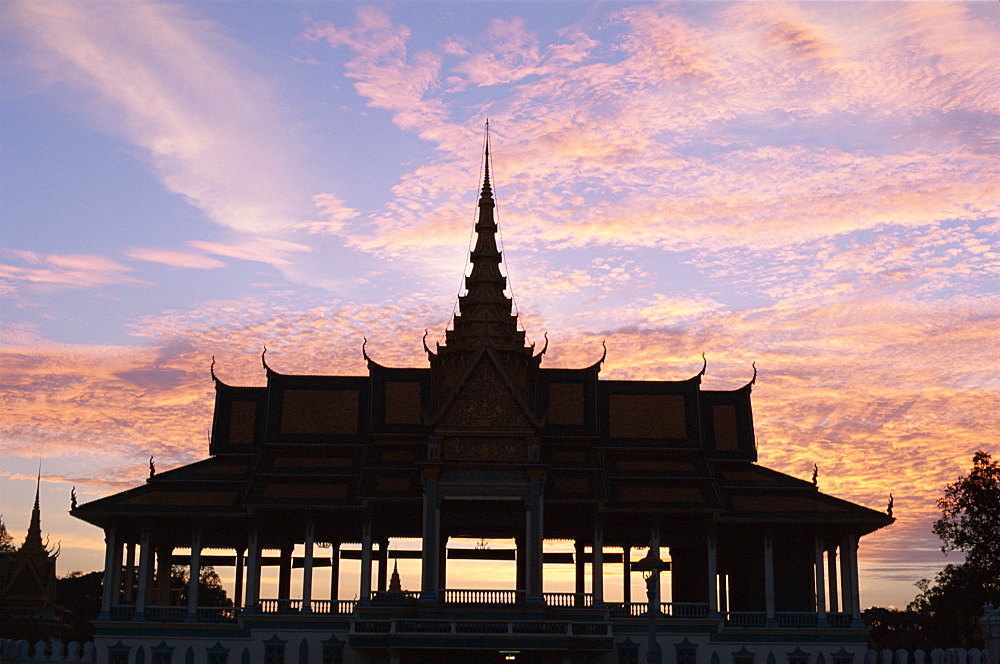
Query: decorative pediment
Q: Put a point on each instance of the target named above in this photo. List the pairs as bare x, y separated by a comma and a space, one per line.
484, 400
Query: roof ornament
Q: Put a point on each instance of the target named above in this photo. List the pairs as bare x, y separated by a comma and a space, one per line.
424, 342
888, 508
152, 466
364, 353
72, 498
263, 361
211, 370
815, 474
704, 365
754, 379
546, 346
604, 355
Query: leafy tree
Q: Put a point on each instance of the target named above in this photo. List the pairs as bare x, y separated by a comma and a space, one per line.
80, 594
6, 540
946, 612
970, 520
210, 590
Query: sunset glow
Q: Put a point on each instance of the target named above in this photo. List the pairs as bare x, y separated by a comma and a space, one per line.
811, 187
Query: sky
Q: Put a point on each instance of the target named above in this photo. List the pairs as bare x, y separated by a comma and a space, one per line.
811, 187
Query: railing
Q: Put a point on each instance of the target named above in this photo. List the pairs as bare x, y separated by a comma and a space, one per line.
684, 610
394, 597
568, 599
745, 618
217, 614
279, 605
479, 596
839, 619
165, 613
520, 628
340, 607
122, 612
796, 619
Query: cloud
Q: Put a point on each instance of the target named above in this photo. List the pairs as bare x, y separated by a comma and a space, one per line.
174, 258
216, 138
47, 273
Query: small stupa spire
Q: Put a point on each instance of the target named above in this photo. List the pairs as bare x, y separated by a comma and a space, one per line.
395, 585
33, 539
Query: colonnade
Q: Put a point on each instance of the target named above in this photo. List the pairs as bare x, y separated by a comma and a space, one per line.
834, 569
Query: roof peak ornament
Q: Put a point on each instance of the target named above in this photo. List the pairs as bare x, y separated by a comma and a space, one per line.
704, 365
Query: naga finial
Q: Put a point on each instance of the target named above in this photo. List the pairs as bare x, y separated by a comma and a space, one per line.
263, 359
754, 379
604, 355
424, 342
364, 353
546, 346
211, 370
704, 365
815, 474
72, 498
888, 508
152, 466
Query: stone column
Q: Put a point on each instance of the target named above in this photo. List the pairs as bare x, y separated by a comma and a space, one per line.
534, 536
626, 575
307, 569
160, 581
112, 567
820, 582
443, 566
334, 575
597, 566
431, 541
520, 582
713, 573
144, 565
194, 575
129, 572
654, 544
831, 565
849, 581
769, 580
580, 571
383, 565
253, 572
238, 594
285, 575
365, 592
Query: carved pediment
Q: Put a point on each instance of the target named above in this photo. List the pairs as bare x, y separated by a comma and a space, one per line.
485, 449
484, 401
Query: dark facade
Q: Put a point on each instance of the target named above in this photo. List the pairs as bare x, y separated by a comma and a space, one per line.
485, 443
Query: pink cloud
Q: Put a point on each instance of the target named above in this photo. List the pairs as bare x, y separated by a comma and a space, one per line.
174, 258
52, 272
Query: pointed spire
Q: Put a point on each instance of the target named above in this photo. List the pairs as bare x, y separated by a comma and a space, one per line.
33, 539
485, 311
395, 585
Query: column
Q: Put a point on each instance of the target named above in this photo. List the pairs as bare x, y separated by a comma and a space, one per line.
820, 582
334, 575
769, 580
285, 576
238, 594
597, 566
383, 565
443, 565
307, 569
144, 564
194, 575
520, 582
654, 544
849, 577
129, 572
112, 565
534, 535
713, 573
580, 569
253, 572
626, 575
431, 541
831, 566
164, 569
365, 592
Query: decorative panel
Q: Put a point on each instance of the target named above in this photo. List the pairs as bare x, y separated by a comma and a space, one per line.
241, 422
566, 403
319, 412
724, 420
402, 403
646, 416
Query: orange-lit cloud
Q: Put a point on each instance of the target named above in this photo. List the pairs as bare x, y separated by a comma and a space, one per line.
51, 272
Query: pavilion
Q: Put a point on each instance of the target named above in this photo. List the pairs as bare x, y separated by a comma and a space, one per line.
307, 471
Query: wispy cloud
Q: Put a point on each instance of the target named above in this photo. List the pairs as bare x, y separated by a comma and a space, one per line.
47, 273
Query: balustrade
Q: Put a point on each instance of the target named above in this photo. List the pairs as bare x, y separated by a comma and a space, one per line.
480, 596
797, 619
745, 618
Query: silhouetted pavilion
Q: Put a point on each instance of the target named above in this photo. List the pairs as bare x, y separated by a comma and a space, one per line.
484, 443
